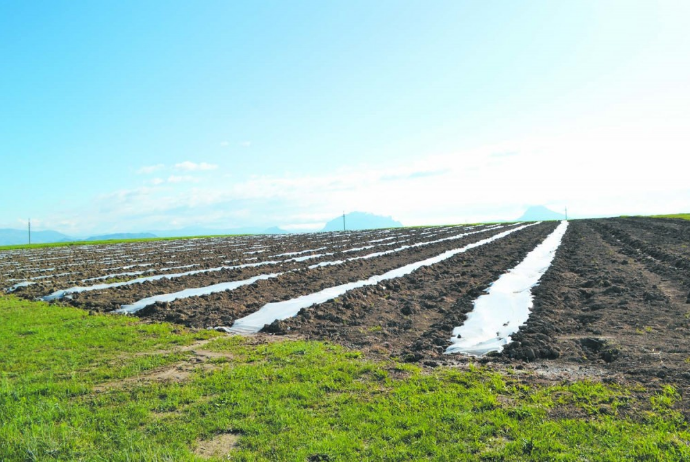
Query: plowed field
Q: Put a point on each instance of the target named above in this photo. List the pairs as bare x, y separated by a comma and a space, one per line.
614, 304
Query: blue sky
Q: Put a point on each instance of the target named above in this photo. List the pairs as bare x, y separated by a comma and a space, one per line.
131, 116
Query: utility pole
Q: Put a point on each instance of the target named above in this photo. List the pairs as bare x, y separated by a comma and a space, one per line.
29, 230
566, 214
343, 220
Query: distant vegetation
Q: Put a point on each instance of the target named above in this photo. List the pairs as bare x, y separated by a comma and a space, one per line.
684, 216
75, 386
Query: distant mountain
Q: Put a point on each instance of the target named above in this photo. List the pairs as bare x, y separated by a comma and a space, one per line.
361, 220
110, 237
275, 230
21, 236
540, 213
195, 231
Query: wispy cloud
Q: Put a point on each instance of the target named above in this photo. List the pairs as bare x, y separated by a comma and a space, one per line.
413, 175
461, 186
245, 144
304, 226
498, 155
224, 144
182, 179
150, 169
192, 166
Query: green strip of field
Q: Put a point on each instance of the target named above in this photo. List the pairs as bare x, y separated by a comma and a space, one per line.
74, 386
682, 216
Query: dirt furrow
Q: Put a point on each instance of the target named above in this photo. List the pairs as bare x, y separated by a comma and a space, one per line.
596, 306
674, 238
109, 299
222, 308
412, 317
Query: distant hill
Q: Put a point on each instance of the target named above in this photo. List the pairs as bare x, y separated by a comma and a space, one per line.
361, 220
275, 230
21, 236
540, 213
111, 237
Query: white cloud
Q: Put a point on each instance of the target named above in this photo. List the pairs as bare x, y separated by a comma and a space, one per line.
182, 179
150, 169
191, 166
224, 144
595, 170
304, 226
245, 144
156, 181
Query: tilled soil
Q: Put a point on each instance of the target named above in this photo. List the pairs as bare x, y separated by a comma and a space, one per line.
598, 305
412, 317
189, 255
57, 268
223, 308
671, 235
614, 305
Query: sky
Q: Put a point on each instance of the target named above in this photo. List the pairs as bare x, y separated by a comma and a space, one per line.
124, 116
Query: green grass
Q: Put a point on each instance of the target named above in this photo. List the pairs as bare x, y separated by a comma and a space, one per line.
292, 400
683, 216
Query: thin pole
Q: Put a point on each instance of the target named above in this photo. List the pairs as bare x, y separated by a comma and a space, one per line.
343, 220
566, 214
29, 230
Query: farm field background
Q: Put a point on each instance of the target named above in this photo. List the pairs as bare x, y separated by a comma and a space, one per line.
602, 361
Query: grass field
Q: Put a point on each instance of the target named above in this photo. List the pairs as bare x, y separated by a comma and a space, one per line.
683, 216
75, 386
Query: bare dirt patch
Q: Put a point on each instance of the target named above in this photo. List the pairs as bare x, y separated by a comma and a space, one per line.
219, 446
178, 372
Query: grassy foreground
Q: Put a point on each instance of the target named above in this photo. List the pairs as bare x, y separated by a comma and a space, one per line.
75, 386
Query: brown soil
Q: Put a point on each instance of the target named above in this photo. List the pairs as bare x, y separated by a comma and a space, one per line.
222, 308
613, 306
596, 305
205, 254
412, 317
220, 446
